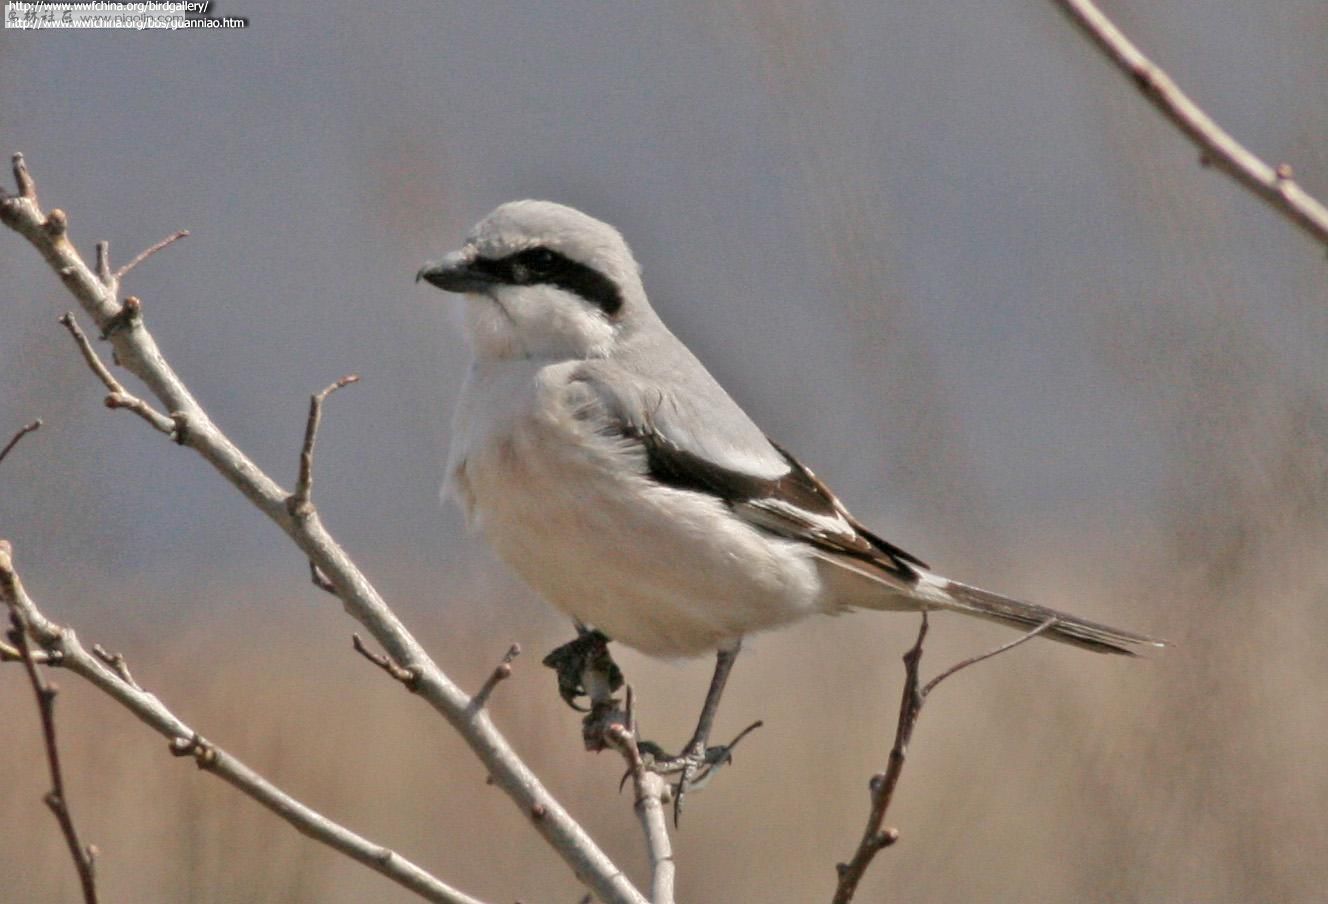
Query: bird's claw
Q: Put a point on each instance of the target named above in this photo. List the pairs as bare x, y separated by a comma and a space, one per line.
588, 653
695, 766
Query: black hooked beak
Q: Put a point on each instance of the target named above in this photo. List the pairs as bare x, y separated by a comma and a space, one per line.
456, 273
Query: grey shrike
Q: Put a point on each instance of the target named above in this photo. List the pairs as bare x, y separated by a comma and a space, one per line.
614, 474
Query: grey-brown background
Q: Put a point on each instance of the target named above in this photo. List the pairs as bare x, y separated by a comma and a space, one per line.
941, 251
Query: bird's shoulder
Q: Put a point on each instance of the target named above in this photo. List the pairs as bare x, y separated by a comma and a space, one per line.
655, 384
706, 449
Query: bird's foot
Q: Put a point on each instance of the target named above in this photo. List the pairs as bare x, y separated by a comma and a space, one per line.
580, 662
694, 767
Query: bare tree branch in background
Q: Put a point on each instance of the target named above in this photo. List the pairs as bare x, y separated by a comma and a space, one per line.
84, 856
874, 838
19, 647
300, 503
104, 260
1276, 186
117, 396
18, 435
110, 675
10, 652
607, 725
136, 350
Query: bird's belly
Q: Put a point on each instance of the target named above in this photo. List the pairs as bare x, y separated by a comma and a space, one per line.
667, 571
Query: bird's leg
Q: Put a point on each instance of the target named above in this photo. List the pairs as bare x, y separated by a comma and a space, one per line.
698, 762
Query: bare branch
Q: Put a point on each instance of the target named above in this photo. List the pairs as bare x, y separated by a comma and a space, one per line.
27, 189
300, 503
118, 396
22, 432
1274, 185
652, 793
882, 785
145, 254
65, 650
22, 652
89, 353
10, 653
611, 724
501, 672
56, 799
974, 660
103, 265
136, 350
408, 677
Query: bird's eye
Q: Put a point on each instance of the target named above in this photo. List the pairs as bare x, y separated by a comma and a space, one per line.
540, 260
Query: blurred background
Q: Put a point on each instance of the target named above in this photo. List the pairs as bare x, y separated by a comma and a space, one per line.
942, 252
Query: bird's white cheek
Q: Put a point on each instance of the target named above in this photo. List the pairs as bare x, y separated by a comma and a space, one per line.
554, 323
491, 331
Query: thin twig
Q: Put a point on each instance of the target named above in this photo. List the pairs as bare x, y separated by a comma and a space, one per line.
117, 396
89, 353
882, 785
9, 653
652, 793
27, 189
136, 350
56, 799
61, 643
319, 580
21, 432
103, 264
117, 662
974, 660
1275, 185
148, 252
501, 672
300, 503
408, 677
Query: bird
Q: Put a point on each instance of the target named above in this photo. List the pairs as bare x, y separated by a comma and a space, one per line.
609, 469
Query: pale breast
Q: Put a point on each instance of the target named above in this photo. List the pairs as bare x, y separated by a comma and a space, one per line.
569, 507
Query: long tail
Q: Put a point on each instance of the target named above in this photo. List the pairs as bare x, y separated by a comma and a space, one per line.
948, 594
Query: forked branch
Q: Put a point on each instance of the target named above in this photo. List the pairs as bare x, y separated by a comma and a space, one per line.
56, 799
615, 725
136, 350
19, 648
110, 674
117, 396
875, 838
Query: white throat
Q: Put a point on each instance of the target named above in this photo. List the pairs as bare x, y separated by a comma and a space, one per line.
536, 322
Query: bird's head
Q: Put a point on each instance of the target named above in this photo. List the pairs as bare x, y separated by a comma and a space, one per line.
543, 280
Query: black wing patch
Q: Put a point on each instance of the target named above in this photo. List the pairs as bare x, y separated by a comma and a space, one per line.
795, 505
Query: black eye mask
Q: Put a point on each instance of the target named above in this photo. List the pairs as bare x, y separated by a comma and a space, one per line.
544, 266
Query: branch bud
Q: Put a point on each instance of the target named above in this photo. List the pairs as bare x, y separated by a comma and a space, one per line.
57, 223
